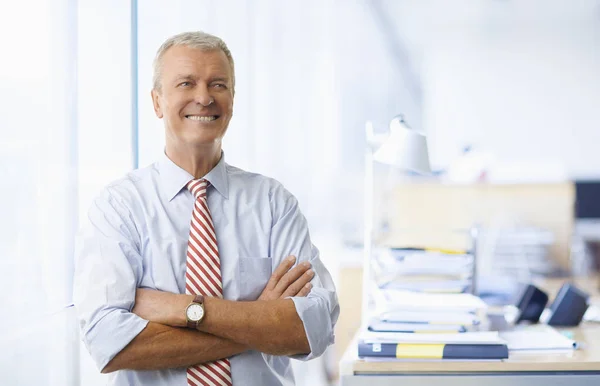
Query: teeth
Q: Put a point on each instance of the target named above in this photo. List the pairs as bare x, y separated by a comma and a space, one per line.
201, 118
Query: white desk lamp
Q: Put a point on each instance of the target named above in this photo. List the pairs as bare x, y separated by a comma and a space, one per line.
403, 148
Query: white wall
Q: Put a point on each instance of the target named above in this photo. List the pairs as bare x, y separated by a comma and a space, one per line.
528, 97
520, 80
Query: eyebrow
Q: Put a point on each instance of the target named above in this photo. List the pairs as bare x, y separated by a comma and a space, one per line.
181, 77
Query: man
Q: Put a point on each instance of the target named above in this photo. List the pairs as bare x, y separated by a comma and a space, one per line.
191, 225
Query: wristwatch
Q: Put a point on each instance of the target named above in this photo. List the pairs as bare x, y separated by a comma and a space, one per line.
194, 312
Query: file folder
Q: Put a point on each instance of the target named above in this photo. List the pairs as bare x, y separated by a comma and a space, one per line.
381, 326
430, 317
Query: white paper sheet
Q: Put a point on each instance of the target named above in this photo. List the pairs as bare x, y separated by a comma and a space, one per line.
434, 317
477, 337
440, 302
536, 338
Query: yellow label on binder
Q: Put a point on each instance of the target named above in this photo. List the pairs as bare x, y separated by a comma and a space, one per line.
420, 351
447, 251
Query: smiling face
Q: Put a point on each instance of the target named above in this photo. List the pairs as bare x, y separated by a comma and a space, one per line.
195, 98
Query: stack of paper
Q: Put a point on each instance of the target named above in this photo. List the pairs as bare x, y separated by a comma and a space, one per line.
422, 310
514, 245
423, 270
415, 301
406, 311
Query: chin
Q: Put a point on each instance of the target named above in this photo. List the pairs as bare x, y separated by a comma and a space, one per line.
198, 136
203, 140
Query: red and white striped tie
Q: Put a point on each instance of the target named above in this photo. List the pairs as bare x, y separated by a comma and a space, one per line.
203, 277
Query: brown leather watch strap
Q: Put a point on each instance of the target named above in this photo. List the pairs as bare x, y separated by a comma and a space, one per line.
200, 300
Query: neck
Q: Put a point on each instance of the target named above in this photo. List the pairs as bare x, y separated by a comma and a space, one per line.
197, 161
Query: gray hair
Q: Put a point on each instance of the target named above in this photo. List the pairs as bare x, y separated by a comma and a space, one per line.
196, 39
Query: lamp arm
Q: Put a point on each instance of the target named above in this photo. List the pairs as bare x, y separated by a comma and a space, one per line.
368, 232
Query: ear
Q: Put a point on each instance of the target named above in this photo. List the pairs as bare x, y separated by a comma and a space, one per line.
156, 103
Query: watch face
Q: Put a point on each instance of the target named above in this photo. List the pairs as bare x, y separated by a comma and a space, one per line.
195, 312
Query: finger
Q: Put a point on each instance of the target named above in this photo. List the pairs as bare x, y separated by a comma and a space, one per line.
297, 285
280, 271
291, 276
304, 291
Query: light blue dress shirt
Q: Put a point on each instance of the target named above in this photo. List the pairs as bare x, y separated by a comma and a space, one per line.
136, 235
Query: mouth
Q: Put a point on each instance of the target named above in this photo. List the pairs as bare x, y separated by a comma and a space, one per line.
202, 118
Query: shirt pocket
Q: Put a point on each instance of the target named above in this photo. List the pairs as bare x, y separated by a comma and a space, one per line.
254, 275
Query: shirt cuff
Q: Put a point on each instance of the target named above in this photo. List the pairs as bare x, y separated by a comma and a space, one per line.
314, 314
111, 334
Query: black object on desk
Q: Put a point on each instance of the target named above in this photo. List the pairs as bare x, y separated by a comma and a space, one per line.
531, 304
587, 205
568, 307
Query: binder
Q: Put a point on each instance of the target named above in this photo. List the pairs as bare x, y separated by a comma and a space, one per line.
433, 351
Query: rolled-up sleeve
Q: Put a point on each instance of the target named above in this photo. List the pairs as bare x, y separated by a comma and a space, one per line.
108, 267
319, 310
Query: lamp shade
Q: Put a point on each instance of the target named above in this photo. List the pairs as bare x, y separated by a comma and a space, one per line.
404, 148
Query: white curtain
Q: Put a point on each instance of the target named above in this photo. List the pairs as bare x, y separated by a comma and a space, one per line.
106, 111
38, 198
66, 131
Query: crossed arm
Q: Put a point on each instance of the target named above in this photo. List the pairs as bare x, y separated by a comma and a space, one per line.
270, 324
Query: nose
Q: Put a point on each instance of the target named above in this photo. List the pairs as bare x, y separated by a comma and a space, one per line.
203, 96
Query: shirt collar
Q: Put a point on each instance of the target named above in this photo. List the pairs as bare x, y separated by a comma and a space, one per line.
174, 178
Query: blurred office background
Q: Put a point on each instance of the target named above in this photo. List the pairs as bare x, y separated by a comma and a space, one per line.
507, 92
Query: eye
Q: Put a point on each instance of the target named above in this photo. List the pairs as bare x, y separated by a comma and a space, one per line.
220, 85
184, 84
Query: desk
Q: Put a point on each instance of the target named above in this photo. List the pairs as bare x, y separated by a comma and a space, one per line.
581, 367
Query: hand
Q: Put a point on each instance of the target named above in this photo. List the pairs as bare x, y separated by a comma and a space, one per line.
288, 282
161, 307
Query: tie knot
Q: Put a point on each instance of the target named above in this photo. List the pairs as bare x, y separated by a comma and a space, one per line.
198, 187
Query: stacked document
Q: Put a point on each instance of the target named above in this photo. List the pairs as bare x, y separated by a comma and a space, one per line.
513, 245
430, 326
422, 308
402, 301
423, 270
465, 346
405, 311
